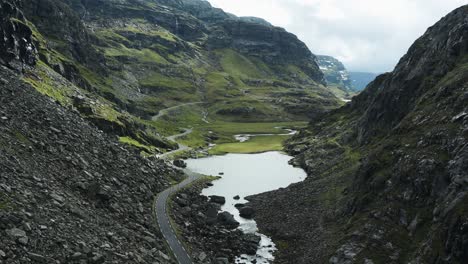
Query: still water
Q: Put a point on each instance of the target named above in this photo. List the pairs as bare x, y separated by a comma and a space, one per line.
244, 175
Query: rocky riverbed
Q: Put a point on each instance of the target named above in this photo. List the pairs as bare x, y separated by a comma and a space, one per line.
212, 235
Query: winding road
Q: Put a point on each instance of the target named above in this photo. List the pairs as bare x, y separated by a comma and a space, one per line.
162, 217
165, 111
160, 205
180, 147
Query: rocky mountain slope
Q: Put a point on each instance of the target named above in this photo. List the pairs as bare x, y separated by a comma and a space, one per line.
69, 193
75, 76
335, 73
388, 175
120, 62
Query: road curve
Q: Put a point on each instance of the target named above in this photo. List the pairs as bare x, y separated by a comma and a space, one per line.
165, 111
162, 217
180, 147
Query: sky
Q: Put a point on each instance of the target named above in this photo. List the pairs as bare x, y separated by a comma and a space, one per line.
366, 35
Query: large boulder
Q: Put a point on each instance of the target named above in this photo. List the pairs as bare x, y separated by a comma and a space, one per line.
247, 212
217, 199
180, 163
226, 219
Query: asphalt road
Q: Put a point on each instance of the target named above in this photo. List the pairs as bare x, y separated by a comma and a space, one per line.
165, 226
181, 147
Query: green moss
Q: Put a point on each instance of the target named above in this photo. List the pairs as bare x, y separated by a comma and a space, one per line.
43, 83
21, 137
237, 65
132, 142
144, 55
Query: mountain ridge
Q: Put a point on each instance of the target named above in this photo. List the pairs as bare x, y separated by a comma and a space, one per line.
385, 169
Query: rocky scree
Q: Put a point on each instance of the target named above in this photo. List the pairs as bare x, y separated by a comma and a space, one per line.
68, 192
212, 236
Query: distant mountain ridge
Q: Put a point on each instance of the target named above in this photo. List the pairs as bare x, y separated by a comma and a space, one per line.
336, 75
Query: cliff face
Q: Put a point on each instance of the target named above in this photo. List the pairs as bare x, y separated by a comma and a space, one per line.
16, 47
387, 172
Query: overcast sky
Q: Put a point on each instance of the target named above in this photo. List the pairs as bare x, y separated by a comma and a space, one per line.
366, 35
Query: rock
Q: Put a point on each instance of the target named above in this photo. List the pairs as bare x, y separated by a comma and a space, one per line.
221, 173
16, 232
217, 199
202, 256
182, 202
237, 197
164, 256
222, 261
77, 255
38, 258
226, 219
2, 254
97, 258
23, 240
180, 163
247, 212
239, 205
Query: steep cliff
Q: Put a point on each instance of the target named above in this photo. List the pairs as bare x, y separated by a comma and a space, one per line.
388, 173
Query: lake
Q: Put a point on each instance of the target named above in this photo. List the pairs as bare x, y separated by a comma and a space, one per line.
244, 175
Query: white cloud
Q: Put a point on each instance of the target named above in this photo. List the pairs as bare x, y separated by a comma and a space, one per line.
367, 35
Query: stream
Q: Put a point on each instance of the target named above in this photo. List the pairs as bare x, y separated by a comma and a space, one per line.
244, 175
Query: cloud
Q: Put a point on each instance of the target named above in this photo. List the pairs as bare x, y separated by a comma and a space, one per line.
367, 35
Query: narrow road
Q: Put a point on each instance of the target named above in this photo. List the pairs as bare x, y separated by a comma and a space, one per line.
164, 221
181, 147
165, 111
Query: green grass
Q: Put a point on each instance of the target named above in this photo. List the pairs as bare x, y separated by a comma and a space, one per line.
144, 55
42, 81
132, 142
256, 144
233, 128
237, 65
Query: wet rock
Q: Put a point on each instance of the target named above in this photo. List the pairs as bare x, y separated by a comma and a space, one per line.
226, 219
247, 212
180, 163
217, 199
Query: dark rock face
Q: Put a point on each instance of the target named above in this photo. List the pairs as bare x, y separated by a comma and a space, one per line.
70, 188
272, 44
16, 47
387, 168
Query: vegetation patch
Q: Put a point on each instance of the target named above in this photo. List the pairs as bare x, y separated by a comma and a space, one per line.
256, 144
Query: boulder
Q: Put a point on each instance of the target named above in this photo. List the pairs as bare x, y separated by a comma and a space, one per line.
180, 163
217, 199
226, 219
237, 197
247, 212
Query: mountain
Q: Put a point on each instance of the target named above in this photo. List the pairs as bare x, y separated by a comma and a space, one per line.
336, 75
359, 80
388, 175
82, 86
127, 60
